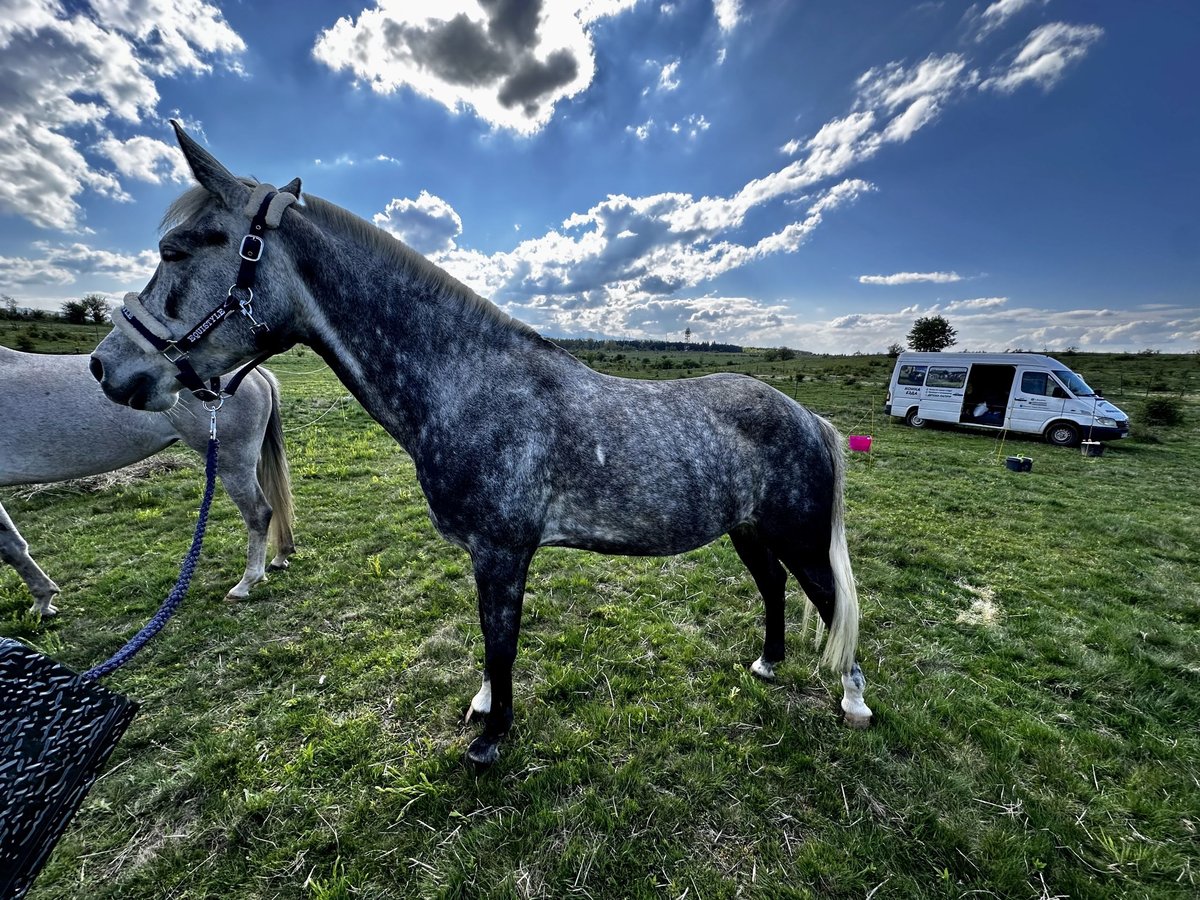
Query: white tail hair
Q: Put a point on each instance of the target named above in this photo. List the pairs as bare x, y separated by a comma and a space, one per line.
841, 647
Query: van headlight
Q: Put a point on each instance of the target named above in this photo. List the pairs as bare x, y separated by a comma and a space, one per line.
1106, 421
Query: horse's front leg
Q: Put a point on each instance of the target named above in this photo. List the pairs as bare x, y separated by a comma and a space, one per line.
500, 580
15, 552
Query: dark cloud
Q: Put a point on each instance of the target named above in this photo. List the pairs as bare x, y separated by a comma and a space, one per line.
465, 52
535, 79
458, 51
513, 23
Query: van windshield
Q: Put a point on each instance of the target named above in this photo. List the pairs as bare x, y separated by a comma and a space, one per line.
1074, 383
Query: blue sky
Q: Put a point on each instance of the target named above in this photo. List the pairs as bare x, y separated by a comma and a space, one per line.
768, 172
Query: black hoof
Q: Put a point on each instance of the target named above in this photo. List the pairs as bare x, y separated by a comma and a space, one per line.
483, 753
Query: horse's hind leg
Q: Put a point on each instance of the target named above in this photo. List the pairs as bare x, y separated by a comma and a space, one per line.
817, 579
241, 484
15, 552
771, 580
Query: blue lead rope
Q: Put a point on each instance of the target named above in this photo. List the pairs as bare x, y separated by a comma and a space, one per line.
171, 604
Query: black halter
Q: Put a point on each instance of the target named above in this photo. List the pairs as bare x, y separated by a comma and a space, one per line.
240, 298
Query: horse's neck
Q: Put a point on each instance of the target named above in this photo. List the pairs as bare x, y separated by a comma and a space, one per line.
405, 349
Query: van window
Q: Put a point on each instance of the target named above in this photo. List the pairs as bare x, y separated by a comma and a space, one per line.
911, 375
1042, 384
1077, 385
946, 378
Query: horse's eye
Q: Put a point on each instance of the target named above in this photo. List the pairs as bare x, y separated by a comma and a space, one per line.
172, 254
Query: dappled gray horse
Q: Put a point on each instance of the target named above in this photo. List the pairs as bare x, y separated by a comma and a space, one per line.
517, 445
57, 425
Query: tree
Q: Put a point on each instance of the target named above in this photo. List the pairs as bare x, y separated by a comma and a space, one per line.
95, 308
687, 335
931, 334
75, 312
895, 350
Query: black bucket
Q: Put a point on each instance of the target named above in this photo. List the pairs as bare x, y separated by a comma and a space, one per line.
57, 729
1091, 448
1019, 464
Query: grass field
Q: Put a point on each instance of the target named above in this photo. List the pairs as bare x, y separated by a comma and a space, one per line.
1030, 643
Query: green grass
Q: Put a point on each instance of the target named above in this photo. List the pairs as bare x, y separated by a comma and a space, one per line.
1029, 642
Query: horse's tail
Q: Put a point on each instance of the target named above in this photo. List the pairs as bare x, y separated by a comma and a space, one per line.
841, 647
274, 475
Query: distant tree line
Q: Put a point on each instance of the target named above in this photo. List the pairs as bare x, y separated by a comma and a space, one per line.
585, 345
91, 308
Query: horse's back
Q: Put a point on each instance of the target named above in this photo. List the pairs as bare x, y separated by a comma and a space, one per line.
58, 424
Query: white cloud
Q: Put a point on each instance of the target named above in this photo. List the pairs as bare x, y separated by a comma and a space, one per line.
982, 324
1003, 10
510, 62
934, 78
641, 132
628, 253
911, 278
146, 158
428, 224
667, 78
976, 303
1045, 56
64, 72
76, 263
173, 36
728, 13
998, 13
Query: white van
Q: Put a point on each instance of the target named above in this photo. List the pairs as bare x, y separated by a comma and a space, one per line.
1022, 392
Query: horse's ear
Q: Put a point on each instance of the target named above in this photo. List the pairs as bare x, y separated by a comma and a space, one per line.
210, 173
292, 187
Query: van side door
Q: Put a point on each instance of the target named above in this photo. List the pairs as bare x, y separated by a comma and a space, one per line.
945, 386
1037, 399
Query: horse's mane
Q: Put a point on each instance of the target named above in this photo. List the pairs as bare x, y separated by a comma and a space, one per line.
448, 288
332, 217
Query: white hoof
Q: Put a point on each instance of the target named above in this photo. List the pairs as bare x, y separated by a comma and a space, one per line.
763, 669
241, 590
858, 714
46, 611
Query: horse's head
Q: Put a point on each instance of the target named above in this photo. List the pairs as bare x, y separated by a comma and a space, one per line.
197, 313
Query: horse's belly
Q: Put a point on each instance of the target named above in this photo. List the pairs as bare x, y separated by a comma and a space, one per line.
654, 533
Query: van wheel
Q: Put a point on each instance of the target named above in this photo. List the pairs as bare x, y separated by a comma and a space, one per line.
914, 420
1063, 434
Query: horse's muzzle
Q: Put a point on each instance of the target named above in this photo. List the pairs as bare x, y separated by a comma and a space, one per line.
135, 393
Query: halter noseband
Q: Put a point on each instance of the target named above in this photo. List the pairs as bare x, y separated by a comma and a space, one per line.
265, 207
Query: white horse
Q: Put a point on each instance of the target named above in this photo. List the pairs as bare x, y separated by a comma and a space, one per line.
57, 424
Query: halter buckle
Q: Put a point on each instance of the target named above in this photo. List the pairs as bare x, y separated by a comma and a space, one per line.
173, 353
252, 248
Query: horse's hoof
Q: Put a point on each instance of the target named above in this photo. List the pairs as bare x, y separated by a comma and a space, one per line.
48, 611
857, 715
763, 669
483, 753
278, 566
